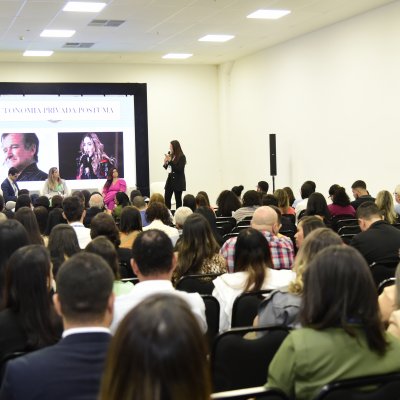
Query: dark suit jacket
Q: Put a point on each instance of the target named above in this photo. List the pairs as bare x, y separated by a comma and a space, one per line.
71, 369
380, 243
355, 203
176, 180
8, 191
32, 173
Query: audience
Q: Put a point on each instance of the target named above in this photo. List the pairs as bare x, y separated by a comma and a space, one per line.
74, 213
316, 205
342, 335
105, 249
283, 202
121, 201
153, 262
397, 199
384, 201
96, 206
56, 217
189, 201
130, 225
13, 235
72, 368
209, 215
282, 306
340, 202
306, 190
252, 272
198, 250
140, 203
158, 352
227, 203
63, 244
103, 224
360, 193
23, 200
290, 194
305, 226
159, 217
26, 217
42, 215
378, 242
265, 220
262, 186
180, 217
389, 304
28, 321
251, 201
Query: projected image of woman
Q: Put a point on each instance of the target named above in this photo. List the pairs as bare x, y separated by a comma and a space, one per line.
93, 162
174, 163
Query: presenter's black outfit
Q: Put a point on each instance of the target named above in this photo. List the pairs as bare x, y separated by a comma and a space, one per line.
176, 181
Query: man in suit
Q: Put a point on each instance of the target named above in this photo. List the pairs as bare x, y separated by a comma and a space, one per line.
9, 186
72, 368
378, 241
21, 151
153, 262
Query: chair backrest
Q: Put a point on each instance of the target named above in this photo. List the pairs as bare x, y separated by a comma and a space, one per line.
347, 237
226, 225
396, 225
259, 392
381, 272
229, 235
385, 283
238, 362
124, 259
212, 316
338, 221
134, 281
244, 222
245, 307
349, 229
238, 228
197, 283
290, 217
378, 387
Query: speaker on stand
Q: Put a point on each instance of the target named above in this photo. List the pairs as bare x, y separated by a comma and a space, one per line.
272, 158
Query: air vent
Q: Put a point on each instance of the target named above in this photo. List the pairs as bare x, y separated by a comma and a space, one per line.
77, 45
106, 22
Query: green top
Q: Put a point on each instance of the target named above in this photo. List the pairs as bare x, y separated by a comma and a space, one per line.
308, 359
120, 287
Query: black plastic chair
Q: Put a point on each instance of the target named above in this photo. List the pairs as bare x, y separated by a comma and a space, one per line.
229, 235
385, 283
124, 259
245, 307
259, 392
238, 229
338, 221
381, 272
212, 316
377, 387
238, 362
347, 237
227, 222
244, 222
349, 229
196, 283
134, 281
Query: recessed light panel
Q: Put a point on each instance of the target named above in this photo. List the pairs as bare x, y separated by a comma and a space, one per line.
37, 53
81, 6
178, 56
269, 14
57, 33
216, 38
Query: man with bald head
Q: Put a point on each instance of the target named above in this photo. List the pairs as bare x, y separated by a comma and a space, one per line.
265, 220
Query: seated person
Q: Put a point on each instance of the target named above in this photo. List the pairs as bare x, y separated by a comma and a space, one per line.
342, 335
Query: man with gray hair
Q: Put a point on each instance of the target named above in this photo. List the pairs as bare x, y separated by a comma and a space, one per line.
20, 151
265, 220
96, 206
180, 217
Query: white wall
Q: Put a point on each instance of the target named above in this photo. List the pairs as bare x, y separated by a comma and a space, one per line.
182, 105
332, 97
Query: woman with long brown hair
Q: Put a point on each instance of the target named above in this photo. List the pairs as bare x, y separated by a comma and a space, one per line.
174, 163
252, 272
54, 184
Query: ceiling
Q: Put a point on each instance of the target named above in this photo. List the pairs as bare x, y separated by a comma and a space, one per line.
152, 28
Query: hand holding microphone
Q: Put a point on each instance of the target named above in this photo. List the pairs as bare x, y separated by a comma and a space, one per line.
167, 157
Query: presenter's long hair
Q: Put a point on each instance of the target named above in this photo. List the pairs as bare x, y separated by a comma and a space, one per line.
53, 182
177, 150
157, 353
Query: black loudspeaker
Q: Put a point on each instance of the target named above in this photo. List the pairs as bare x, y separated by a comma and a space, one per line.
272, 154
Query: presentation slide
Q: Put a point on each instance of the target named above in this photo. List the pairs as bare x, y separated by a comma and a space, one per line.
84, 136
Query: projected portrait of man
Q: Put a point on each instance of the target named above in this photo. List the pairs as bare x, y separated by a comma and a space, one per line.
20, 150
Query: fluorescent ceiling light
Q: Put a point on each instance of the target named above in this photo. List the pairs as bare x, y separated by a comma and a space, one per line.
57, 33
216, 38
179, 56
37, 53
269, 14
81, 6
